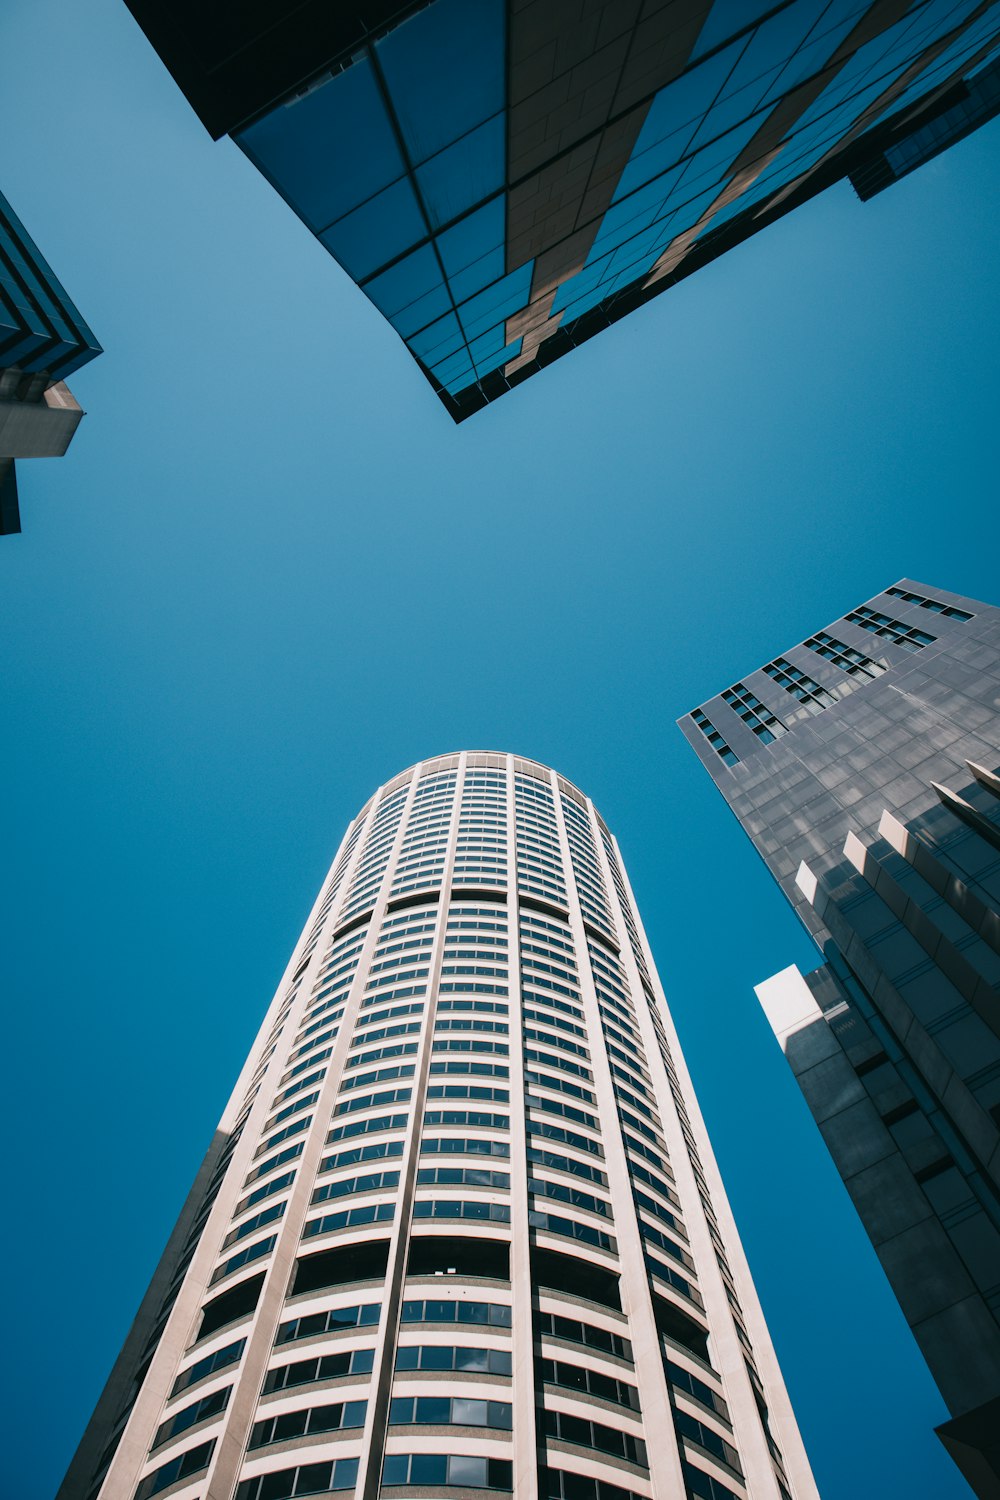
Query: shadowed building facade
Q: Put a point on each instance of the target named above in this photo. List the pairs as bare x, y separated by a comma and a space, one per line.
460, 1228
42, 340
863, 764
505, 179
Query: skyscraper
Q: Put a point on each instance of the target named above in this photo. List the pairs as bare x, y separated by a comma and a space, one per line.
863, 765
42, 340
460, 1227
505, 179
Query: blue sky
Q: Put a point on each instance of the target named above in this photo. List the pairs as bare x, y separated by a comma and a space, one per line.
271, 573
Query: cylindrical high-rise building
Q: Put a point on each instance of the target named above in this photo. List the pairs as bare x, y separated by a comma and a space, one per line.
460, 1228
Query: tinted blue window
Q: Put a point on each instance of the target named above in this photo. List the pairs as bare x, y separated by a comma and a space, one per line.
466, 173
308, 150
484, 366
497, 302
672, 118
475, 237
444, 69
715, 161
455, 373
406, 283
428, 1468
377, 231
838, 22
725, 18
438, 341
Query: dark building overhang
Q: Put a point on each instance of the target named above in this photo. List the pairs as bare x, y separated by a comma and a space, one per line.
233, 58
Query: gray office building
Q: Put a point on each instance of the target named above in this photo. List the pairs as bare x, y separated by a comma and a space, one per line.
863, 764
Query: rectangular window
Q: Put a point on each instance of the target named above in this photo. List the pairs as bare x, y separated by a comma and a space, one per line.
948, 610
799, 685
891, 630
714, 738
765, 725
855, 663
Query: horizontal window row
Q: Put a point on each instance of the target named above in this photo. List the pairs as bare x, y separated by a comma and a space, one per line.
209, 1364
650, 1206
561, 1484
291, 1424
574, 1331
470, 1069
673, 1278
184, 1466
556, 1021
580, 1378
256, 1221
564, 1064
467, 1091
368, 1101
462, 1177
453, 1357
663, 1242
320, 1367
597, 1435
566, 1164
563, 1193
482, 1007
465, 1023
354, 1155
363, 1315
350, 1218
895, 631
561, 1042
380, 1033
463, 1146
430, 1469
564, 1111
454, 1208
244, 1258
306, 1102
583, 1233
378, 1054
307, 1479
563, 1136
531, 997
935, 605
308, 1062
466, 1117
455, 1310
317, 1041
378, 1075
198, 1411
471, 1044
291, 1153
458, 1411
472, 987
395, 1010
702, 1486
706, 1438
366, 1182
684, 1381
296, 1088
355, 1128
403, 992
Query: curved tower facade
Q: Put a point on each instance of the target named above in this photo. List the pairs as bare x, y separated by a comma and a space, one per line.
460, 1228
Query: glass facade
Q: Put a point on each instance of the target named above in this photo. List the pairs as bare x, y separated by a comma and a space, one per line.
41, 331
504, 180
878, 813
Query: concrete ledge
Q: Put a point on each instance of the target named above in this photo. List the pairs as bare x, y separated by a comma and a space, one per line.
39, 429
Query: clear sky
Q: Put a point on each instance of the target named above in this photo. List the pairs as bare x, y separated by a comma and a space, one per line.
271, 573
